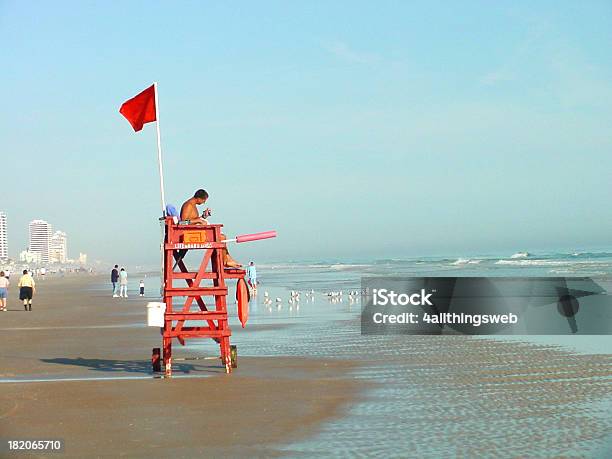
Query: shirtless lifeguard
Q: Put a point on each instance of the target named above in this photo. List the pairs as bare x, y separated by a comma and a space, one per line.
189, 212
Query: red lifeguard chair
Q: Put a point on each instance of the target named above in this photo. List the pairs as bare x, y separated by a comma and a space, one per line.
206, 287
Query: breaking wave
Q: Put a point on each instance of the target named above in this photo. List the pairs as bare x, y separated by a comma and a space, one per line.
465, 261
542, 262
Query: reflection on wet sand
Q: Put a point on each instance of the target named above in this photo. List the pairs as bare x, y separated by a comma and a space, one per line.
436, 396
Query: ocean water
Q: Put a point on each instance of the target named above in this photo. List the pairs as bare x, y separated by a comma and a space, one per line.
328, 274
324, 276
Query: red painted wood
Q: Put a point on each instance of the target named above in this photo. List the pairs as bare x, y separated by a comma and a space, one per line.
207, 281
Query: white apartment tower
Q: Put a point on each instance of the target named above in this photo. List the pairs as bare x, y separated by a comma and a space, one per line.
58, 247
3, 238
40, 237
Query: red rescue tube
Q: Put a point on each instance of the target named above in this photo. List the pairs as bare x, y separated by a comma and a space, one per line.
255, 236
242, 297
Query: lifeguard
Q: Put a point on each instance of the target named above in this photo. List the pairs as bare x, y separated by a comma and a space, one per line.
190, 215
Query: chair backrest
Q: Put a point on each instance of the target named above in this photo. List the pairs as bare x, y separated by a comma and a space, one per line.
171, 211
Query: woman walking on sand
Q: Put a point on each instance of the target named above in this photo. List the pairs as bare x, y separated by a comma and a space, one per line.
123, 283
4, 283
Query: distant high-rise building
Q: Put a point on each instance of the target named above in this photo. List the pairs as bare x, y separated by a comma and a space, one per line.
40, 237
58, 247
83, 258
3, 237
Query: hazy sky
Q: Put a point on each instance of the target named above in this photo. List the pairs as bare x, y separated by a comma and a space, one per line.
356, 129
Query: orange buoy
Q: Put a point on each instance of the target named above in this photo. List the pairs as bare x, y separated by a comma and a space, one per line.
242, 297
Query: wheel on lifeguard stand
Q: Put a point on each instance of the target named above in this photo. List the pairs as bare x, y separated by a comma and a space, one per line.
156, 360
232, 361
234, 356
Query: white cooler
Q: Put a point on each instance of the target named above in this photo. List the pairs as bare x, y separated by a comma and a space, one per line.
155, 314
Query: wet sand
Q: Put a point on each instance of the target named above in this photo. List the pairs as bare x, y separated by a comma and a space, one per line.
311, 386
75, 334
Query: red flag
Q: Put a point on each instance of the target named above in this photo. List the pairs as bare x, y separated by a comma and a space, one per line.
140, 109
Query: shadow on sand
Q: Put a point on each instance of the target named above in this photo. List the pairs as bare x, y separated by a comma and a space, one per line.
131, 366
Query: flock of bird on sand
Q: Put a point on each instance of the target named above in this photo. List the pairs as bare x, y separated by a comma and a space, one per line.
295, 297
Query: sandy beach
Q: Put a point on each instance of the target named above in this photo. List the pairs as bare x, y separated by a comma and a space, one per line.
308, 384
74, 334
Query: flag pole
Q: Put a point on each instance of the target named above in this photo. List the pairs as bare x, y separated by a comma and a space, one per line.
159, 153
161, 187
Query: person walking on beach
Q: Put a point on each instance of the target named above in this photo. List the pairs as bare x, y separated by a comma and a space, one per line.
4, 283
27, 287
252, 275
123, 283
115, 280
141, 287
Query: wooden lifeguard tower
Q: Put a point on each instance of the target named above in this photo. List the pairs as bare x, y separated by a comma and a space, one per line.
206, 287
